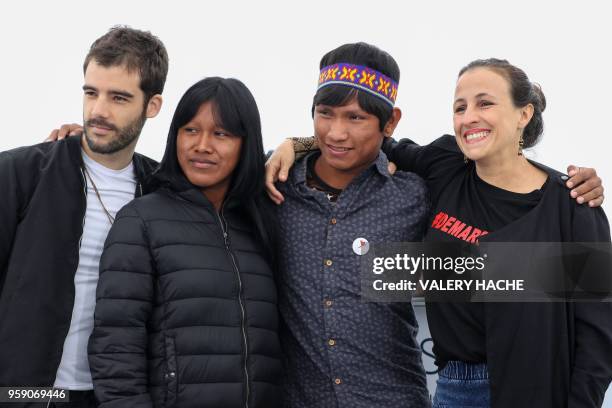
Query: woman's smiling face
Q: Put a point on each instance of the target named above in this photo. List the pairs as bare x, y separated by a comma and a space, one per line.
486, 122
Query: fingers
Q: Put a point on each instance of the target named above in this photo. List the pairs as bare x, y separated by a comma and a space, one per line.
285, 166
592, 196
392, 168
52, 136
272, 169
72, 129
586, 186
286, 156
588, 189
277, 169
587, 196
274, 198
579, 174
275, 195
63, 132
597, 202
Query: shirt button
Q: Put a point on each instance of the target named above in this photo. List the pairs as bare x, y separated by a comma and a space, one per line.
333, 221
331, 342
328, 303
337, 381
328, 262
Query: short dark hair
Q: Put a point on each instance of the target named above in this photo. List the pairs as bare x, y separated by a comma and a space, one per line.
235, 110
522, 91
138, 50
359, 54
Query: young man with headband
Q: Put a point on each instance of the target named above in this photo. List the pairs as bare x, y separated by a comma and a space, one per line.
340, 351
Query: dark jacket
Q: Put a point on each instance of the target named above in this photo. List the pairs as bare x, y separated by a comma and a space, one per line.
558, 353
549, 355
186, 312
42, 209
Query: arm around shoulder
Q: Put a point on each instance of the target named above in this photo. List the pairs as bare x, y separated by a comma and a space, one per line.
423, 160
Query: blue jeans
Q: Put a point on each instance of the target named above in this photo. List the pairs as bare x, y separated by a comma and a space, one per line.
462, 385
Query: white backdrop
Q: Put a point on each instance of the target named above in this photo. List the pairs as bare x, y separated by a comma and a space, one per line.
275, 47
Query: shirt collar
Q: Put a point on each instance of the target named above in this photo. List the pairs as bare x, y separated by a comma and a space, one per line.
298, 173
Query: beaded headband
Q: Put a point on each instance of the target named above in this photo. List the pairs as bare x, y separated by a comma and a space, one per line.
360, 77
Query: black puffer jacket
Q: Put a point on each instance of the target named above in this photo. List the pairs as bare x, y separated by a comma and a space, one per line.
186, 312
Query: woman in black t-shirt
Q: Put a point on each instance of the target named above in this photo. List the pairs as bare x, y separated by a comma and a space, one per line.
508, 354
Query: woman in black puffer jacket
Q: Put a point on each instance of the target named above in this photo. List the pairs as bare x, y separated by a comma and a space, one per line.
186, 312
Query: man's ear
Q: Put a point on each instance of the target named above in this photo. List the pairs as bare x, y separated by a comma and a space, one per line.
391, 124
154, 105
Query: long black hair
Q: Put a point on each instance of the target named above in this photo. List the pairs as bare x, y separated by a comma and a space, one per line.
234, 109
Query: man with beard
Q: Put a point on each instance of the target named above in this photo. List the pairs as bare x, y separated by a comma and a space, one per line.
58, 204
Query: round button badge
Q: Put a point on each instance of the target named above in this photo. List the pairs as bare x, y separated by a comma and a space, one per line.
361, 246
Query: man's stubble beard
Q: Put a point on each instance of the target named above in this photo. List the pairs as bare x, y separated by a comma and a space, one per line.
123, 138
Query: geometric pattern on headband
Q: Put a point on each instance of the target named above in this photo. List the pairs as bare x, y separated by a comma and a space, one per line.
360, 77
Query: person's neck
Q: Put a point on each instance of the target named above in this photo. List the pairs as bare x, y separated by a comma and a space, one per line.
216, 195
511, 173
335, 178
114, 161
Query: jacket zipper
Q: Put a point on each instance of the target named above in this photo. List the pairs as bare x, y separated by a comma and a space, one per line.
243, 314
